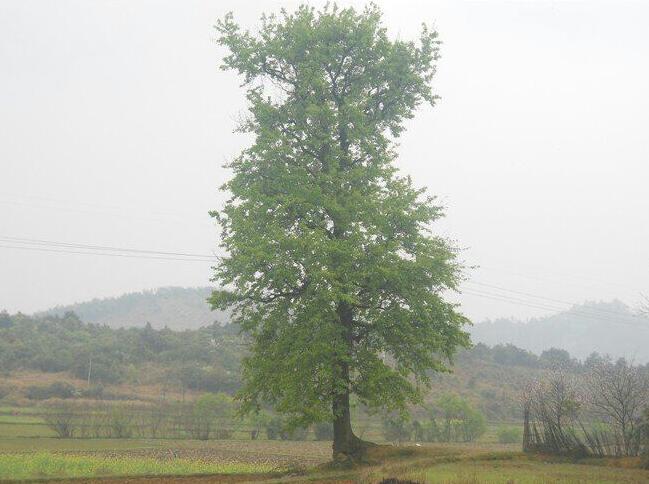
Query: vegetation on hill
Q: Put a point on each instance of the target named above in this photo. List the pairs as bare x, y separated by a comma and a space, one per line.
174, 307
208, 360
607, 328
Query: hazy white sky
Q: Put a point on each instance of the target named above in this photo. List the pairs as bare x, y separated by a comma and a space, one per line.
115, 121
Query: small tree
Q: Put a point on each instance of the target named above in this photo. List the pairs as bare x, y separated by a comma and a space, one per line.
619, 392
119, 420
432, 431
396, 428
645, 438
461, 421
62, 419
258, 421
473, 424
157, 416
274, 427
418, 431
205, 412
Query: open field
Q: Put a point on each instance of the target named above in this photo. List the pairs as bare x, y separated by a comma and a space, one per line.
48, 465
522, 471
17, 423
29, 450
197, 461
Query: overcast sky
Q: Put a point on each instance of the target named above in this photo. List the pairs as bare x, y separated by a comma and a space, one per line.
115, 121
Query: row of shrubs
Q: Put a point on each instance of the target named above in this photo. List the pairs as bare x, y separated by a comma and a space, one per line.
451, 419
211, 416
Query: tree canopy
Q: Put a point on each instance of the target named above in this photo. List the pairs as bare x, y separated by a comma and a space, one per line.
331, 265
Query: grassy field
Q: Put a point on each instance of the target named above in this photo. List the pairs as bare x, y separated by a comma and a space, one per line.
47, 465
522, 471
259, 461
28, 451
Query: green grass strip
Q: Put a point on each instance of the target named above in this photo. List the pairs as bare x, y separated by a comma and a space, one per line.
45, 465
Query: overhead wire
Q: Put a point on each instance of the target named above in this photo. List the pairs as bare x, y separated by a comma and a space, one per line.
511, 296
578, 312
51, 243
106, 254
543, 298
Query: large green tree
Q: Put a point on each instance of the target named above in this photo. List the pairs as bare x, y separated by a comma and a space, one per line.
331, 267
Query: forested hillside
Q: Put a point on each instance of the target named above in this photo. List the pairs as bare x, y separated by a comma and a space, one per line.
174, 307
208, 359
607, 328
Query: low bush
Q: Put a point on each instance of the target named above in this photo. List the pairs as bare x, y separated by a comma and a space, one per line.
5, 390
274, 428
299, 433
62, 419
55, 390
511, 435
396, 429
95, 392
207, 414
324, 431
460, 422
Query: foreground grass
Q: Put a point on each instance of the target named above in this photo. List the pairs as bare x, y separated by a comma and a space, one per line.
522, 471
451, 465
270, 461
45, 465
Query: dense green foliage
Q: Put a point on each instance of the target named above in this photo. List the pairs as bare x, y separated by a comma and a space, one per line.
206, 410
460, 422
332, 268
449, 419
207, 358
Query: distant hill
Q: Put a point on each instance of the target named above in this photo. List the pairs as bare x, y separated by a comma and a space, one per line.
607, 328
175, 307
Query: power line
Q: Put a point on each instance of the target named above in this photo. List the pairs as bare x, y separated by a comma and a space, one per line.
544, 306
595, 310
106, 254
50, 243
506, 299
537, 302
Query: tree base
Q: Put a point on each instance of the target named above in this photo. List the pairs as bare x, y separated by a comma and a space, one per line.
351, 453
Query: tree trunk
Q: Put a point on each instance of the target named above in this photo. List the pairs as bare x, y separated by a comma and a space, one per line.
346, 446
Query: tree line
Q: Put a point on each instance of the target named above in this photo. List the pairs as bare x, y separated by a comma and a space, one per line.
204, 360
